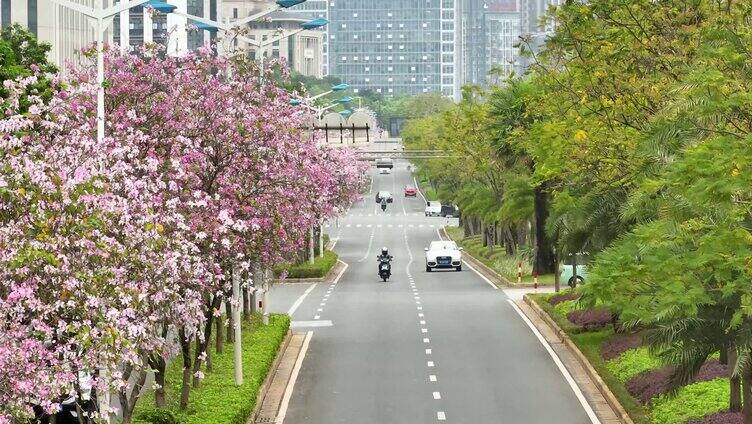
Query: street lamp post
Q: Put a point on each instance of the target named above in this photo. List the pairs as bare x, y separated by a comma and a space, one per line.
102, 18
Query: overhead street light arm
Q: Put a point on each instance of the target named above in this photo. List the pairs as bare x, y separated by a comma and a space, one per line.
114, 10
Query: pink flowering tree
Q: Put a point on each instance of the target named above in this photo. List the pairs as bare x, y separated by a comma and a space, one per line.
108, 249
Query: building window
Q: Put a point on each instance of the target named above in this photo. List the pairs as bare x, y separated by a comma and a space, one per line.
32, 10
235, 12
355, 15
6, 18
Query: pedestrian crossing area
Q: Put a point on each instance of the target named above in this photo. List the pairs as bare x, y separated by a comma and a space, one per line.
382, 226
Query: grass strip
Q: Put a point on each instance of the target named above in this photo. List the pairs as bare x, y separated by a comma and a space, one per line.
218, 400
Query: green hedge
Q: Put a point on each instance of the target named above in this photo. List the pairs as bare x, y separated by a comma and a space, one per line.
320, 267
218, 400
694, 401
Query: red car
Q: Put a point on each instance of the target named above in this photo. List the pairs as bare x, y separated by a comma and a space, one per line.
410, 191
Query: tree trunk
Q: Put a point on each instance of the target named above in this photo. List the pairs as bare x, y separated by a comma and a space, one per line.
220, 342
509, 245
209, 362
128, 403
160, 367
230, 335
483, 234
159, 364
735, 399
747, 394
544, 261
185, 350
203, 345
246, 303
557, 277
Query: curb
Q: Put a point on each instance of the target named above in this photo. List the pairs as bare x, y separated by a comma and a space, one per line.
591, 372
333, 272
264, 389
499, 280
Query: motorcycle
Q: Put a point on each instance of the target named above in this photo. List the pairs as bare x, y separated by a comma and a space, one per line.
383, 207
385, 269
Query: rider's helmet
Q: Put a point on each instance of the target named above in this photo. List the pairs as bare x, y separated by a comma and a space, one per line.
384, 251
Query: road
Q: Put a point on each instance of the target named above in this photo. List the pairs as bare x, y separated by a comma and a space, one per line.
422, 348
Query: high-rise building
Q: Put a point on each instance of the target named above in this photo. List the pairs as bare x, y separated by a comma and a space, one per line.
490, 36
394, 47
534, 27
314, 9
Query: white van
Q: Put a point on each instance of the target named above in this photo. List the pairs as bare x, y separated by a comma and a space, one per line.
433, 208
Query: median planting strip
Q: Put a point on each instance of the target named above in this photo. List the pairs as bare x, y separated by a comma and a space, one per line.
631, 375
218, 400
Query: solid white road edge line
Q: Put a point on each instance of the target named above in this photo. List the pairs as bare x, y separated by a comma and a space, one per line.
480, 275
293, 377
417, 188
302, 297
568, 377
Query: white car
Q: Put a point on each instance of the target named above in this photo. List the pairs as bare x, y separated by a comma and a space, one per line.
433, 208
443, 254
384, 171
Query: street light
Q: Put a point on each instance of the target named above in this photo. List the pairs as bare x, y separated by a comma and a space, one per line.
103, 18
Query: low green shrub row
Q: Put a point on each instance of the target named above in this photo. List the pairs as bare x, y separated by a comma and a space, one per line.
694, 401
218, 400
632, 362
689, 402
318, 269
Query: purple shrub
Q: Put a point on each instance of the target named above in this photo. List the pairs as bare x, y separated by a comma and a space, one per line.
591, 318
720, 418
648, 385
620, 344
555, 300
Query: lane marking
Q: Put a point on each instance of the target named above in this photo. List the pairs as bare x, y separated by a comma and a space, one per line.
568, 377
483, 277
298, 302
293, 378
441, 416
428, 351
420, 308
424, 330
370, 243
316, 316
437, 395
426, 340
430, 364
304, 324
422, 322
432, 377
420, 315
417, 188
319, 310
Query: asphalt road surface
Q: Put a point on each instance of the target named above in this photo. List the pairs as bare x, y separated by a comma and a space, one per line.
421, 348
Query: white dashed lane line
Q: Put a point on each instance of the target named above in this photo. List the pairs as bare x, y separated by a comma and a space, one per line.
432, 378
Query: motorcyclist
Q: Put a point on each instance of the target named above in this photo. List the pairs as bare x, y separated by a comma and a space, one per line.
383, 203
385, 256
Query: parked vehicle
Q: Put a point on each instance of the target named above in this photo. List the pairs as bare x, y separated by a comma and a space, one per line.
443, 254
449, 211
384, 163
433, 208
384, 171
384, 194
567, 274
410, 191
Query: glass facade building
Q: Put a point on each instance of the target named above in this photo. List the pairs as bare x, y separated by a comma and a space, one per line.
394, 47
